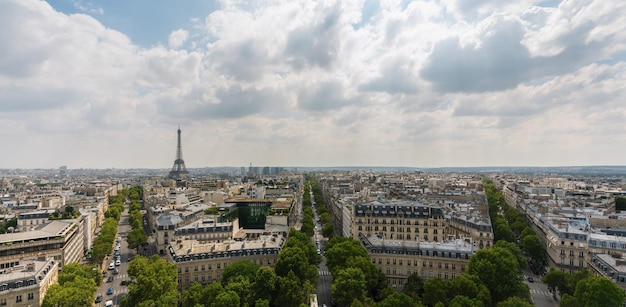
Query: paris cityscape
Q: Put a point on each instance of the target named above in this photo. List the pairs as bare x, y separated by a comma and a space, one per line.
288, 236
312, 153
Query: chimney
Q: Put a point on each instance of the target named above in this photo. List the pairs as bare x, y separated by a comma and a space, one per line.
30, 266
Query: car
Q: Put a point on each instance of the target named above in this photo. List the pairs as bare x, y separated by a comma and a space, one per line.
116, 271
118, 262
531, 279
112, 265
119, 239
110, 279
109, 303
110, 291
123, 283
99, 298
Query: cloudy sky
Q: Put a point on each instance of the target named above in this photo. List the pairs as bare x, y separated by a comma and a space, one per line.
101, 84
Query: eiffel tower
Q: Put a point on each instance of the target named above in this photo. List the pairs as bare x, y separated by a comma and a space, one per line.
179, 169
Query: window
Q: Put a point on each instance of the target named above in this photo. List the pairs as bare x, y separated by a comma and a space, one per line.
18, 299
31, 296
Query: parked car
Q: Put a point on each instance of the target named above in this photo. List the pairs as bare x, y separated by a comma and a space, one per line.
116, 271
108, 303
123, 283
110, 291
531, 279
110, 279
99, 298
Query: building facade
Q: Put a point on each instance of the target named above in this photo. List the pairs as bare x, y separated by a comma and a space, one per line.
26, 284
205, 262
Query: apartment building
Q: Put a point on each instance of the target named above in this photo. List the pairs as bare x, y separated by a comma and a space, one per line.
400, 220
26, 284
611, 266
166, 221
204, 262
398, 259
207, 230
60, 240
436, 221
29, 220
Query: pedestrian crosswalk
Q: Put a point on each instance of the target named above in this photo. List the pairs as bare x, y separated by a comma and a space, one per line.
540, 292
323, 273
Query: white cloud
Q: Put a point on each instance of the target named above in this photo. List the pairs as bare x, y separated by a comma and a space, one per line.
178, 38
426, 83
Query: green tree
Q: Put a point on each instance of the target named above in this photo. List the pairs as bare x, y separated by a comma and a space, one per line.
210, 292
68, 295
265, 283
292, 259
262, 303
396, 300
76, 287
338, 254
325, 218
348, 284
598, 291
498, 269
227, 298
154, 280
434, 291
556, 279
469, 286
290, 289
368, 268
414, 286
136, 238
515, 251
464, 301
533, 247
193, 296
308, 226
514, 301
328, 230
241, 285
244, 268
526, 232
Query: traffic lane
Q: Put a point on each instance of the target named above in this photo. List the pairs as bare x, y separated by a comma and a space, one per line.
539, 293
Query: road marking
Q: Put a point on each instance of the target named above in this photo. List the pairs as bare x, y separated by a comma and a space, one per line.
545, 293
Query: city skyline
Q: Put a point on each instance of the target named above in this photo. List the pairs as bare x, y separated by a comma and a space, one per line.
412, 84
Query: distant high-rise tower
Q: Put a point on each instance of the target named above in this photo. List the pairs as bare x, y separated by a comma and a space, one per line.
179, 169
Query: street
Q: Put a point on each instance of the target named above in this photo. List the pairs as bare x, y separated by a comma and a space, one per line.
539, 292
119, 291
325, 280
